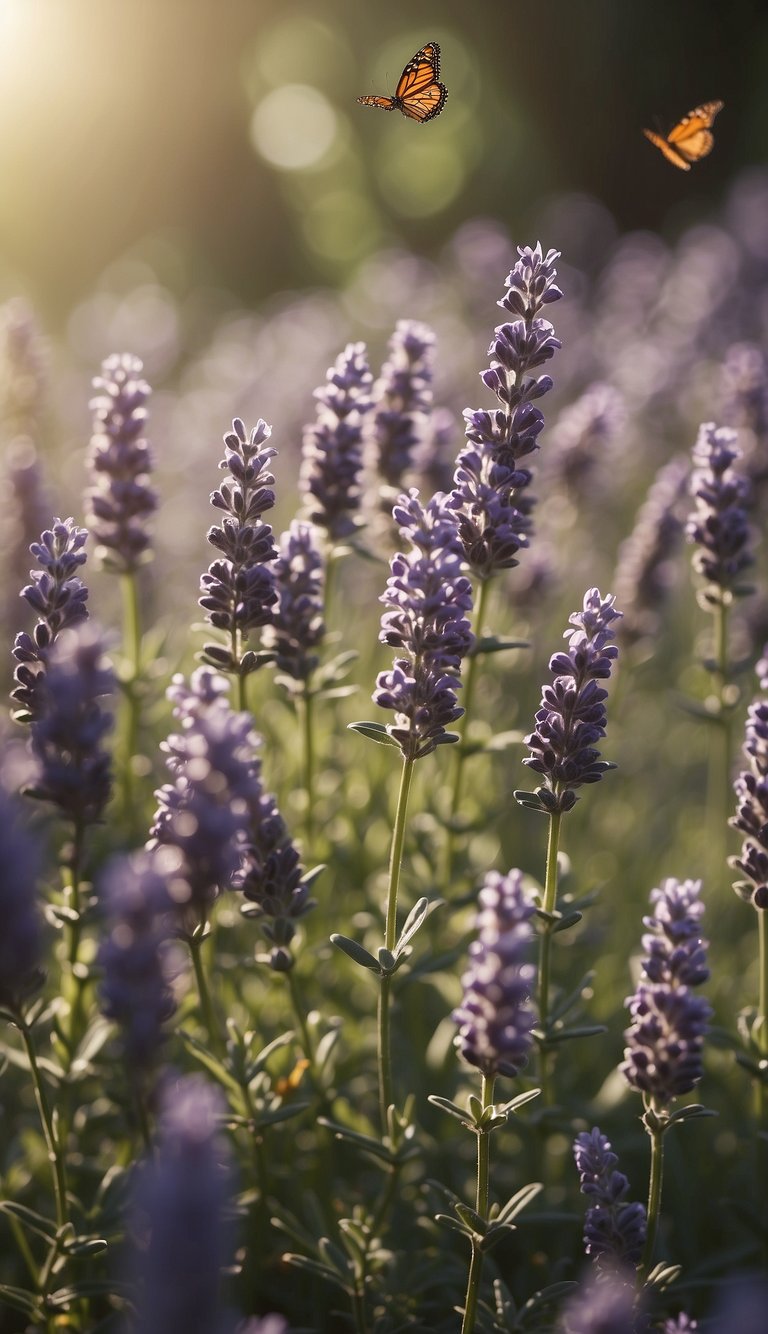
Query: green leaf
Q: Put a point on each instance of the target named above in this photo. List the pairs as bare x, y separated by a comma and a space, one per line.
365, 1142
567, 920
21, 1300
518, 1202
662, 1275
85, 1246
357, 953
374, 732
452, 1223
29, 1218
452, 1108
211, 1063
510, 1108
501, 741
413, 921
315, 1267
89, 1287
492, 644
566, 1034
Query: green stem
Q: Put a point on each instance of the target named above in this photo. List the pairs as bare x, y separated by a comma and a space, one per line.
545, 950
760, 1026
722, 674
654, 1199
481, 1207
72, 874
129, 586
206, 1009
305, 709
461, 754
55, 1156
390, 937
300, 1012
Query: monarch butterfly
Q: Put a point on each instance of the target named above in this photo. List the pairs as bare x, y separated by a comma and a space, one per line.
690, 139
419, 93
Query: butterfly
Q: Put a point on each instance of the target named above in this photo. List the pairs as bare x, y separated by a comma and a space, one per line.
419, 93
690, 139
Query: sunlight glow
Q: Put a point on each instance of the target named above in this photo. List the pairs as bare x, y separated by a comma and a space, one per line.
293, 127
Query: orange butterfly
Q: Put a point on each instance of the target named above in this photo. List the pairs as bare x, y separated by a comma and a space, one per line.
690, 139
419, 93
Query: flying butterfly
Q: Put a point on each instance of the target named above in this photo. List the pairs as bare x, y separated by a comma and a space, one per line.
690, 139
419, 93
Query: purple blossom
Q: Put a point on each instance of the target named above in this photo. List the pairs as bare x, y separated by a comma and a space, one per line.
68, 732
58, 596
297, 624
645, 570
434, 456
751, 818
270, 875
718, 525
572, 716
238, 591
745, 393
402, 403
180, 1200
494, 1017
582, 434
665, 1040
135, 988
204, 810
490, 483
682, 1324
120, 499
22, 371
25, 513
614, 1229
606, 1304
20, 939
332, 454
428, 600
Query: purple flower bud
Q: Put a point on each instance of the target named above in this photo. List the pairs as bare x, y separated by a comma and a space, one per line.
180, 1200
20, 943
297, 624
67, 735
494, 1017
718, 525
572, 716
663, 1057
751, 818
614, 1230
402, 402
135, 988
120, 499
238, 589
428, 599
58, 595
645, 570
682, 1324
332, 454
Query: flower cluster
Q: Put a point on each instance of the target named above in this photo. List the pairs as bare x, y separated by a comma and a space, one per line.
644, 570
428, 601
120, 499
494, 1017
402, 403
614, 1229
135, 987
751, 818
179, 1204
238, 590
68, 731
663, 1057
297, 625
490, 483
58, 595
25, 513
271, 877
718, 525
332, 453
572, 715
745, 390
204, 811
20, 939
582, 434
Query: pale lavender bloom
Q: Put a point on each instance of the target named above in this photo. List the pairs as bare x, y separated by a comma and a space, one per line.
645, 569
22, 372
745, 392
572, 716
332, 452
495, 1018
271, 876
490, 484
663, 1056
605, 1304
428, 601
71, 724
614, 1229
434, 456
58, 595
24, 515
204, 811
751, 818
180, 1199
20, 938
238, 591
297, 626
402, 402
120, 498
582, 435
135, 987
683, 1324
718, 525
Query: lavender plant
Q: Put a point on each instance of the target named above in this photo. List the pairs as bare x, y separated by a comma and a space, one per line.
614, 1228
645, 568
58, 595
751, 819
332, 451
402, 405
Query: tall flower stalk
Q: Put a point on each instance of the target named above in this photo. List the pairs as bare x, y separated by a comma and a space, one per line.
402, 407
571, 719
119, 503
490, 490
669, 1021
751, 819
614, 1227
58, 595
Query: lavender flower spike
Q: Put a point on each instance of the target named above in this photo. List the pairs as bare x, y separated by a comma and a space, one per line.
663, 1057
120, 499
20, 942
572, 716
271, 877
718, 525
238, 590
297, 625
403, 401
58, 595
751, 818
428, 601
614, 1230
180, 1201
332, 453
494, 1017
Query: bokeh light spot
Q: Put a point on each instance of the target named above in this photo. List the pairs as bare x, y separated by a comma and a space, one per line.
293, 127
422, 177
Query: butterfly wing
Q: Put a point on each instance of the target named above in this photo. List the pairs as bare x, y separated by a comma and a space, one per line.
386, 103
697, 120
667, 150
419, 93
